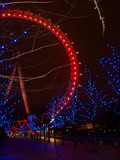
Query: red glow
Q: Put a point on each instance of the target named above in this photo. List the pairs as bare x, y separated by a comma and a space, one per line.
72, 88
65, 103
74, 83
66, 44
75, 78
10, 83
40, 21
30, 17
75, 73
68, 98
57, 112
3, 15
73, 58
23, 90
9, 14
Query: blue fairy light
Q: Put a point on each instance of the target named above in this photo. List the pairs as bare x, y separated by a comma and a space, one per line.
15, 40
2, 47
3, 6
25, 32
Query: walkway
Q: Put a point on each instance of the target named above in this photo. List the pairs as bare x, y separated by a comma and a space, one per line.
32, 149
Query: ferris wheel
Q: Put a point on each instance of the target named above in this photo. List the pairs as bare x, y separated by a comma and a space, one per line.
69, 93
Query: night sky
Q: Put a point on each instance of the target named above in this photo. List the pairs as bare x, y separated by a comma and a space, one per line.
81, 22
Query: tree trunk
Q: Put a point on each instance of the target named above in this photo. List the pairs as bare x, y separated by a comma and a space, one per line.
75, 138
95, 140
54, 136
40, 133
44, 133
62, 135
48, 134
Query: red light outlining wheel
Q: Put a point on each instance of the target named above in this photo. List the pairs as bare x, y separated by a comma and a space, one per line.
64, 40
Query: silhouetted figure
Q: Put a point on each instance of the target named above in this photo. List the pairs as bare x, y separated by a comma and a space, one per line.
2, 134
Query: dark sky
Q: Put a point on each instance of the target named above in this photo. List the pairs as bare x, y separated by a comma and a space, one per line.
85, 32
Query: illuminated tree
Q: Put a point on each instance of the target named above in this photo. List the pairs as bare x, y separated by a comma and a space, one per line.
6, 102
111, 66
32, 122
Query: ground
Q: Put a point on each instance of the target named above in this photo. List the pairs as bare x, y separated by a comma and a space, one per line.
32, 149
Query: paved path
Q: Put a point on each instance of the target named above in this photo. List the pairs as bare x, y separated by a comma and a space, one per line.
31, 149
